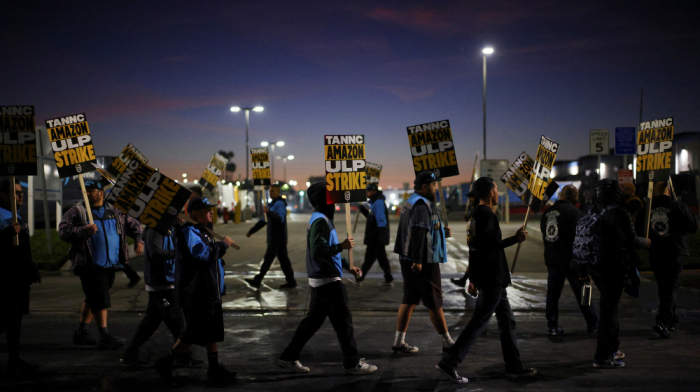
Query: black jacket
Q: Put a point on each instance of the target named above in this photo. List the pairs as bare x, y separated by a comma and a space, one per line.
670, 222
18, 268
618, 243
487, 260
159, 259
277, 229
375, 235
558, 226
197, 274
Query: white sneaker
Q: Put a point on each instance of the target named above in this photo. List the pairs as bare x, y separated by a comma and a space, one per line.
361, 368
386, 284
404, 349
294, 366
357, 283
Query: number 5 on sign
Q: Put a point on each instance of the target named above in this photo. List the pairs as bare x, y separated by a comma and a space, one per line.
599, 141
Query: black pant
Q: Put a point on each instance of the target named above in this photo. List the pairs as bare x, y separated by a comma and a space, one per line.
610, 288
555, 284
130, 272
490, 300
377, 252
161, 308
11, 324
668, 278
329, 300
279, 251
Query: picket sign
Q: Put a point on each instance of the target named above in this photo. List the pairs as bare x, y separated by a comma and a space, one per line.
517, 251
85, 199
471, 184
219, 237
13, 207
348, 224
443, 205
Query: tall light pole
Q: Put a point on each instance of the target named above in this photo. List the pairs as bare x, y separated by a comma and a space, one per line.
272, 157
236, 109
486, 51
284, 161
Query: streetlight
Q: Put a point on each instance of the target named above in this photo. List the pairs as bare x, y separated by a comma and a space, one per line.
237, 109
486, 51
184, 175
272, 160
284, 160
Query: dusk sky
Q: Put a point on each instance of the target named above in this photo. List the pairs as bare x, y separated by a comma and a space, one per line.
164, 76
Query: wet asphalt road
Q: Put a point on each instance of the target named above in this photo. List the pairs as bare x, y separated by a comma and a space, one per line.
259, 324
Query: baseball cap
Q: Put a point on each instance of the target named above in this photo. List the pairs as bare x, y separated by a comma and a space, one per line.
199, 203
372, 187
426, 177
90, 185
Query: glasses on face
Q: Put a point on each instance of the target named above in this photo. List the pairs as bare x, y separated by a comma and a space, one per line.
19, 194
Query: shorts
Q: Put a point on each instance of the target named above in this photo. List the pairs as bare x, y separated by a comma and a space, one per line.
425, 286
96, 283
204, 324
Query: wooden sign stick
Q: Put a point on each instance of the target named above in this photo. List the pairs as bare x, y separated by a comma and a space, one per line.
348, 226
219, 237
517, 251
357, 219
85, 199
13, 207
443, 204
673, 191
650, 194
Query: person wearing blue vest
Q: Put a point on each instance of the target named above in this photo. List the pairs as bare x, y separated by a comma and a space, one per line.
376, 235
420, 244
488, 272
324, 265
198, 261
97, 251
276, 213
159, 275
18, 273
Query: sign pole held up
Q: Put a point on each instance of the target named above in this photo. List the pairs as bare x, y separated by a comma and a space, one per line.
348, 224
650, 194
357, 219
85, 199
13, 207
471, 184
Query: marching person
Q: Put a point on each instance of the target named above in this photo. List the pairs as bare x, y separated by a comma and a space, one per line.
18, 273
473, 201
617, 239
489, 274
671, 222
198, 284
276, 213
159, 275
97, 251
558, 226
324, 266
376, 235
420, 243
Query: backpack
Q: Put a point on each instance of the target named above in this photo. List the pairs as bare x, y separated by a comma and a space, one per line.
588, 241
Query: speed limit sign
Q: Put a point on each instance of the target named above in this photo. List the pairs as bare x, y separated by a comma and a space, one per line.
599, 140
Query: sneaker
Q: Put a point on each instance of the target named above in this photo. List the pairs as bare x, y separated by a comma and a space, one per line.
83, 339
289, 285
132, 360
133, 282
361, 368
522, 372
459, 281
294, 366
109, 342
662, 331
253, 282
219, 374
187, 360
164, 367
618, 355
404, 349
556, 331
608, 363
357, 282
451, 374
386, 284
